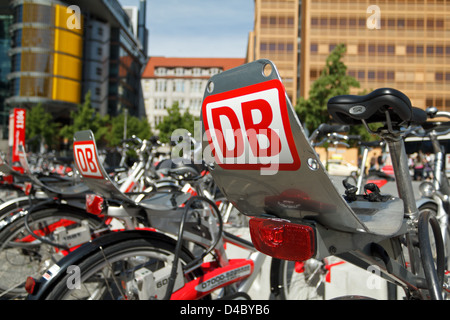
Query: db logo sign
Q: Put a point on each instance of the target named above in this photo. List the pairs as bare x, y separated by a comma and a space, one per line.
249, 129
86, 159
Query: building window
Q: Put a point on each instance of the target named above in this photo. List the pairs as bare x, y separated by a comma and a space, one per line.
361, 75
160, 85
178, 86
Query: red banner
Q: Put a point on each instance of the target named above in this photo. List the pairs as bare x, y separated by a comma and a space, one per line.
16, 132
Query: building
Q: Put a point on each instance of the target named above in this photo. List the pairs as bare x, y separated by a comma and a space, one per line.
183, 80
6, 20
402, 44
60, 50
276, 37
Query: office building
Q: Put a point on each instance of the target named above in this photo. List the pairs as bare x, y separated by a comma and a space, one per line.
276, 36
183, 80
60, 50
400, 44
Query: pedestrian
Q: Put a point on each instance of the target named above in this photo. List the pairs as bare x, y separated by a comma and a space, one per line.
418, 167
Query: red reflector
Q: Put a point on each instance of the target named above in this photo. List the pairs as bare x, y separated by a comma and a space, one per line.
28, 187
30, 284
94, 204
283, 240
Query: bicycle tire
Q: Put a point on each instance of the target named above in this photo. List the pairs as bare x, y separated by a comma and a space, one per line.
429, 206
96, 264
291, 280
21, 259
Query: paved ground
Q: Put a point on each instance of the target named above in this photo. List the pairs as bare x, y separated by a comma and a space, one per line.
345, 279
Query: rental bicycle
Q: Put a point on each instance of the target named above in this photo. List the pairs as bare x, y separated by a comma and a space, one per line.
172, 246
260, 158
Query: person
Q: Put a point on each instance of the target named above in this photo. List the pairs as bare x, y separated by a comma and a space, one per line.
428, 167
418, 167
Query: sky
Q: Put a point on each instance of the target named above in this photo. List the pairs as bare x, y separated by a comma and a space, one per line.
198, 28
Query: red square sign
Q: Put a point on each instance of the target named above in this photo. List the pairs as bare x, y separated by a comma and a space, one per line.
249, 129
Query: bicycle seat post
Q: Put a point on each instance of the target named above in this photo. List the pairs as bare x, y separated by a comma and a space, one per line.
402, 176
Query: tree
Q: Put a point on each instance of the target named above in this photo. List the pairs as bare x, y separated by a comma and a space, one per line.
40, 128
86, 118
175, 120
332, 81
135, 126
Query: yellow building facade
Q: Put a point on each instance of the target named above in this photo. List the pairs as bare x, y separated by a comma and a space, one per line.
404, 44
47, 53
275, 36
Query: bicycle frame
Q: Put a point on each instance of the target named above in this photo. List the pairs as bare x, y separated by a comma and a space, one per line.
164, 212
259, 156
437, 192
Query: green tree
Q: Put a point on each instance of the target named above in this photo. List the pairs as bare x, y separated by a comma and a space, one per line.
175, 120
40, 128
135, 126
87, 118
332, 81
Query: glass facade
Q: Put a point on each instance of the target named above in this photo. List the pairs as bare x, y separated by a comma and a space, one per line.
275, 37
6, 21
407, 48
46, 55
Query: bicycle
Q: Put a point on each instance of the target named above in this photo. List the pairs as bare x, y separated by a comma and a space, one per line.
154, 257
364, 176
435, 194
41, 228
268, 169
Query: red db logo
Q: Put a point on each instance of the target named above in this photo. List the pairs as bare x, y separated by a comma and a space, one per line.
249, 129
86, 159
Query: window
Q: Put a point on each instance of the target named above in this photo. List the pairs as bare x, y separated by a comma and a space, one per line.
161, 85
390, 49
419, 50
178, 86
390, 75
361, 48
361, 75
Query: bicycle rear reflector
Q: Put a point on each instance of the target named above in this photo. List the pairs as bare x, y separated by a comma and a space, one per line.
283, 240
94, 204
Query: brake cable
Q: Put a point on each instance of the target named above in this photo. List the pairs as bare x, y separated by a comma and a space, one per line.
173, 273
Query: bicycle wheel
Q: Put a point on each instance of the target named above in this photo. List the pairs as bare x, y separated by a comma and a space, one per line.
291, 280
22, 254
112, 271
432, 207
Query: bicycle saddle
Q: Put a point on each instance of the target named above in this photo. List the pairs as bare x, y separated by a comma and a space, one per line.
351, 109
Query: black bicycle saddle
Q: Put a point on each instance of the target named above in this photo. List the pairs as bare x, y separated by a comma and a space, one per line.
351, 109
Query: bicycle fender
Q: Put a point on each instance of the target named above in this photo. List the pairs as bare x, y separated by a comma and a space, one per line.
420, 202
56, 272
